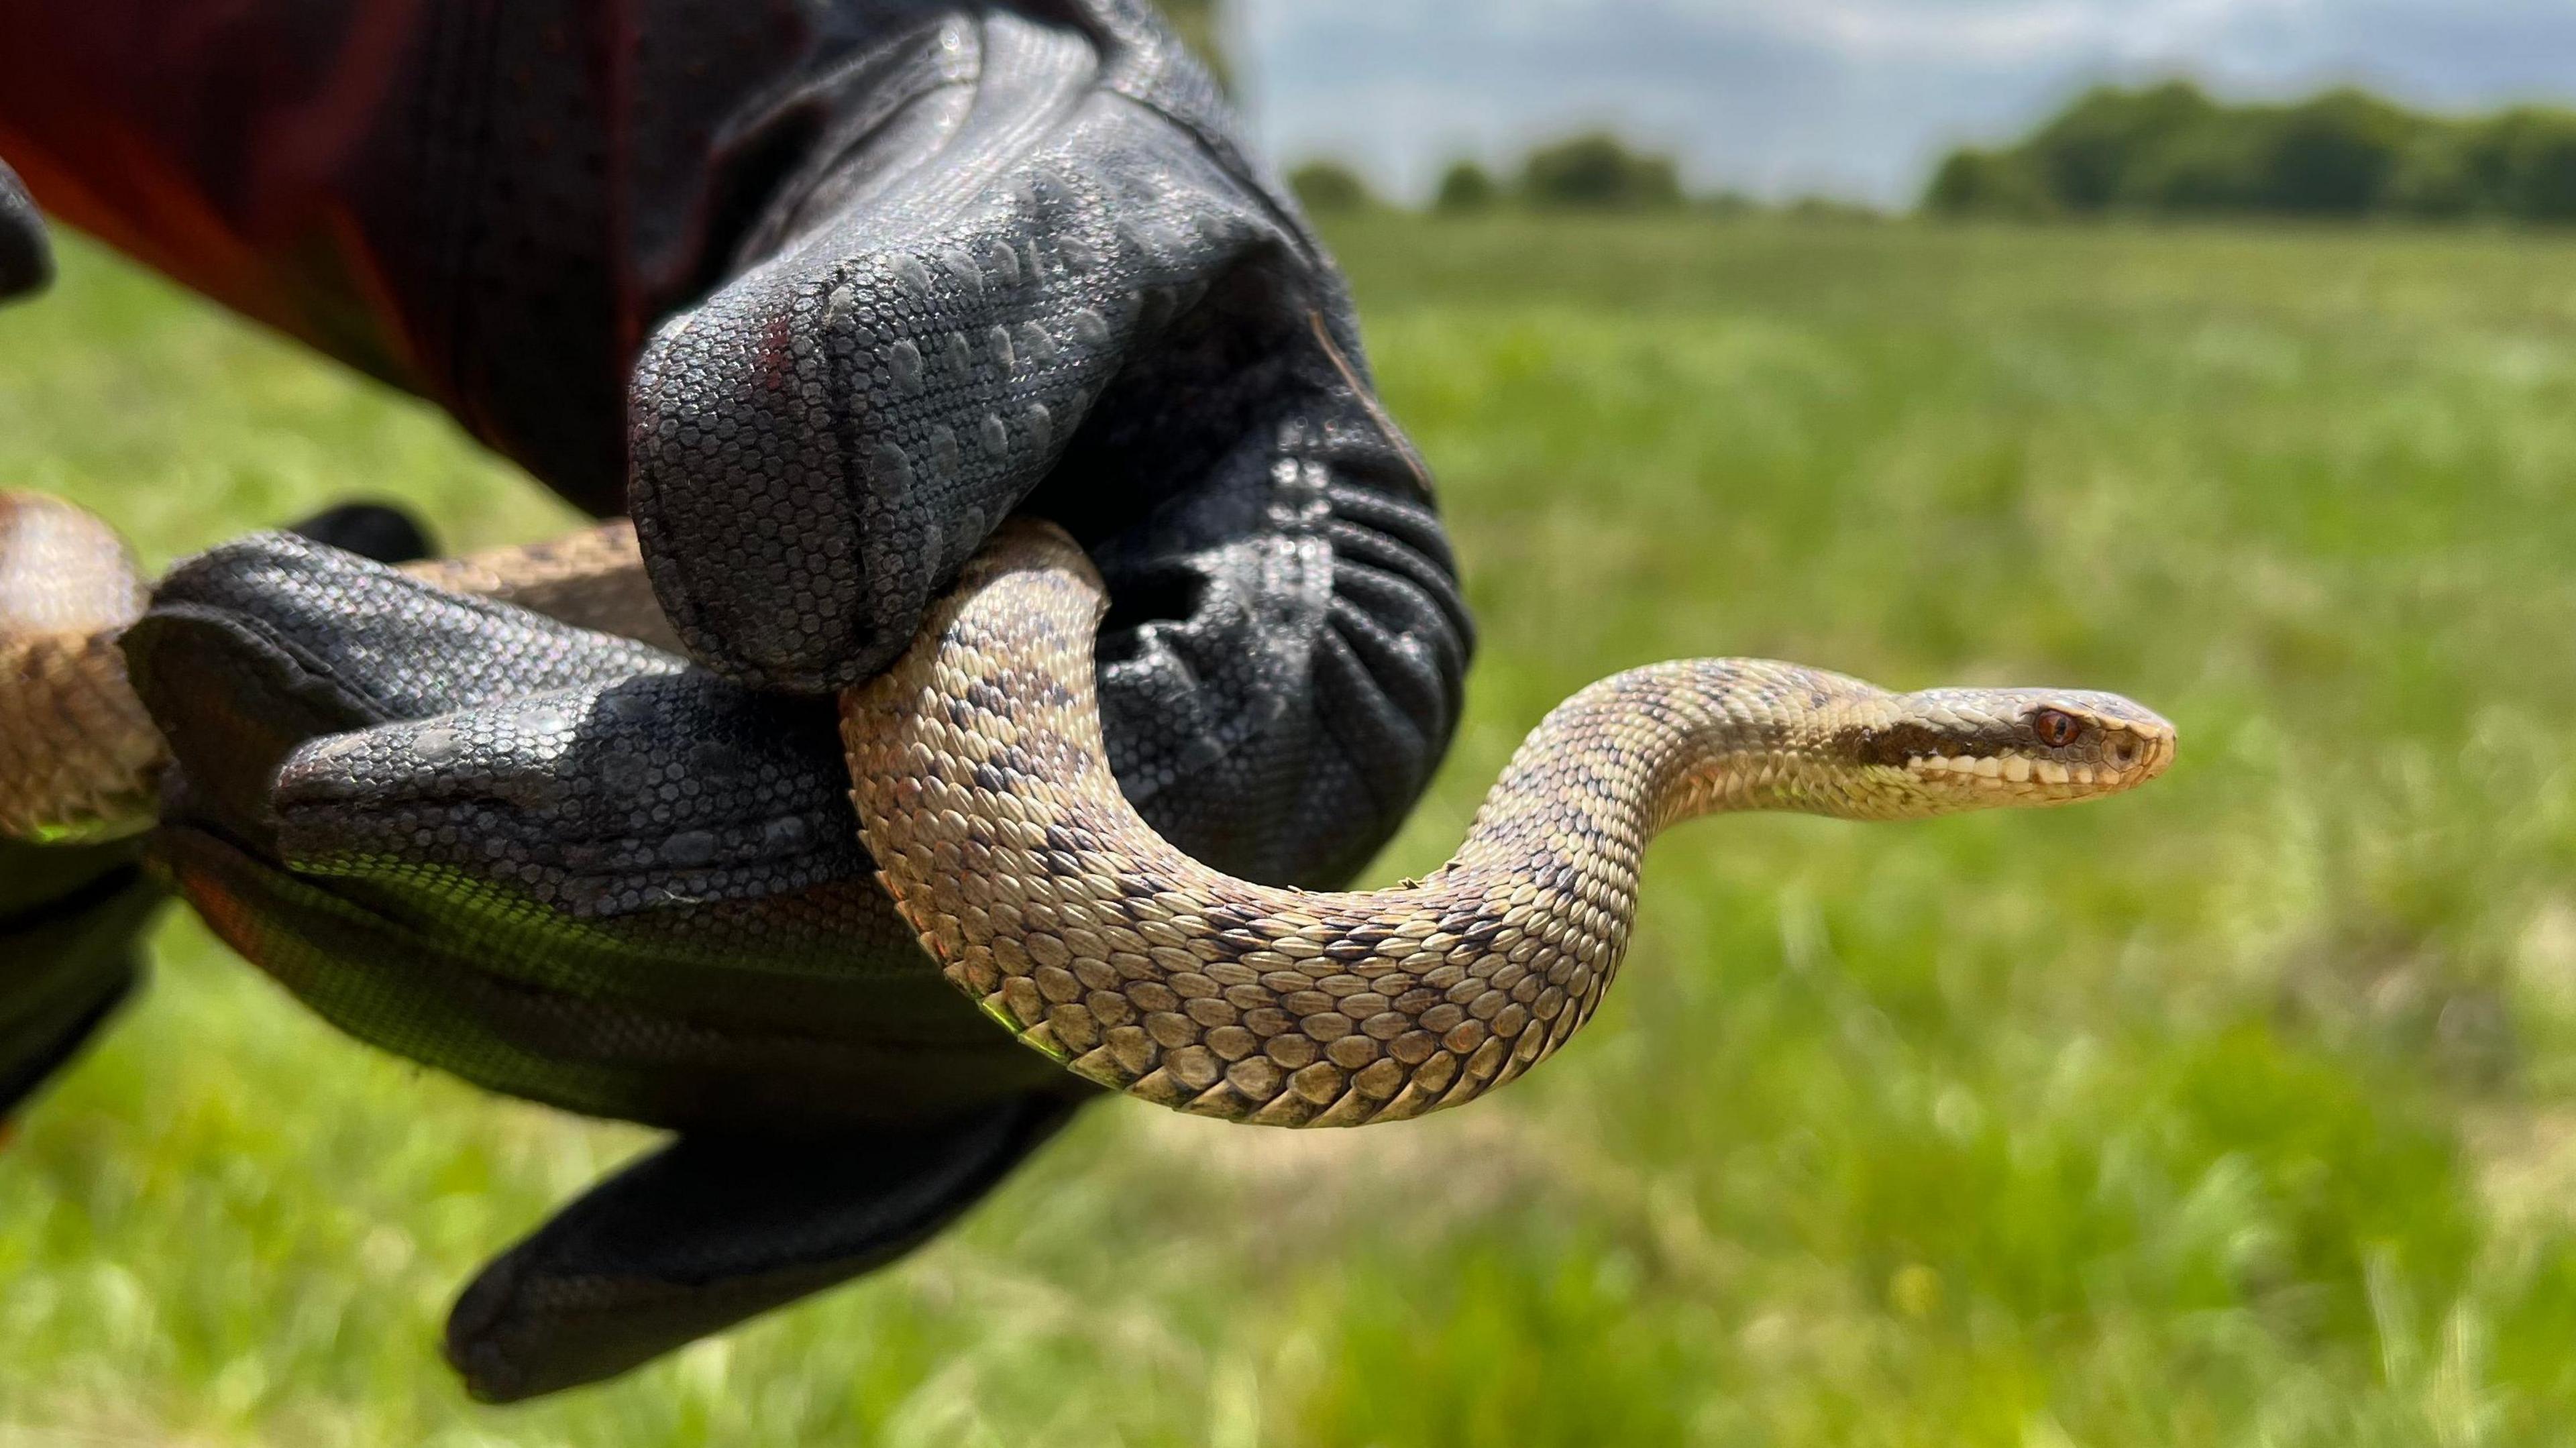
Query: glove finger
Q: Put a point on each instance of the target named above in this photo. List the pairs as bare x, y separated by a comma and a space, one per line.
820, 445
70, 922
710, 1016
256, 647
594, 802
26, 257
417, 990
714, 1230
672, 844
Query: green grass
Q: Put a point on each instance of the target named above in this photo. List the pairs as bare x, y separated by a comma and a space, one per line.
2241, 1111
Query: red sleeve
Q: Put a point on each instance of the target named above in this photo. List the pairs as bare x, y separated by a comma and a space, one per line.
487, 202
216, 142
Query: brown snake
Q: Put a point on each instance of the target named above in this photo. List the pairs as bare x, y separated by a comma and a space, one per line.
984, 794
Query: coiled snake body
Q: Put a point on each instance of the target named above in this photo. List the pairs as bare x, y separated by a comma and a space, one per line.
984, 794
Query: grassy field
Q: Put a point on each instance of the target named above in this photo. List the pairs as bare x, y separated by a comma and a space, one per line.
2241, 1111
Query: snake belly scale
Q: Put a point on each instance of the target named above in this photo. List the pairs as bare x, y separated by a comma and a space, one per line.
983, 792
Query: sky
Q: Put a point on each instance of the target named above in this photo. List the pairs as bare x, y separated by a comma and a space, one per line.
1852, 98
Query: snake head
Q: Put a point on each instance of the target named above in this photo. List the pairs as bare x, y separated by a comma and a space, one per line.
1944, 750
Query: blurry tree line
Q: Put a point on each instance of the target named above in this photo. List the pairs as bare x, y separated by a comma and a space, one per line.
2172, 149
1595, 172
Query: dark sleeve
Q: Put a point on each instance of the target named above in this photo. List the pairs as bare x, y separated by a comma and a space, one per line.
485, 204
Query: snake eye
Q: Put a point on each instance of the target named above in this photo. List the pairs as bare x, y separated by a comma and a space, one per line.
2055, 727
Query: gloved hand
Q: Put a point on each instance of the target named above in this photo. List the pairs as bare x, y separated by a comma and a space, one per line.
572, 868
903, 269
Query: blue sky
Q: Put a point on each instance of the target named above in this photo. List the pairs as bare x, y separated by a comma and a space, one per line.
1850, 97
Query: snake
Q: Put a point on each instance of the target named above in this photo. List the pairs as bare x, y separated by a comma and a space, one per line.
982, 790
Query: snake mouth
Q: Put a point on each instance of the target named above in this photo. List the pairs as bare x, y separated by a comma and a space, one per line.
2056, 750
2013, 770
2000, 769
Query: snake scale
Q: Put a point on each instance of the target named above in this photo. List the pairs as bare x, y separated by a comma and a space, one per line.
984, 794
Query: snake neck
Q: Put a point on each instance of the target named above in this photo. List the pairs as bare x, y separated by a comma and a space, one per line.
1641, 751
984, 794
